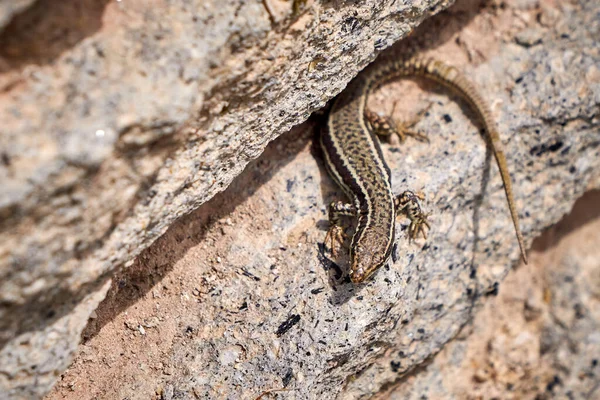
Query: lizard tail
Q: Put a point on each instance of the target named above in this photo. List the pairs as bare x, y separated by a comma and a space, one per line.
450, 77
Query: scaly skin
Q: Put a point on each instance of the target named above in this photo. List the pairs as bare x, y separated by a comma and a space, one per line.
354, 159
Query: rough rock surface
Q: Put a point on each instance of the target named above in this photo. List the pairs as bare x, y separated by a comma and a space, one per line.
118, 117
540, 338
238, 297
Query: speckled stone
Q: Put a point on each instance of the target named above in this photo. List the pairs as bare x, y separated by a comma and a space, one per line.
119, 117
540, 337
247, 299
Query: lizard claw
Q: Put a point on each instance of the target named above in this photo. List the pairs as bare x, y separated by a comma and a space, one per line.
335, 238
417, 226
408, 204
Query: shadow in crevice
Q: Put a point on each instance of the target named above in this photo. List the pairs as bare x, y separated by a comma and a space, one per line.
585, 210
154, 263
48, 28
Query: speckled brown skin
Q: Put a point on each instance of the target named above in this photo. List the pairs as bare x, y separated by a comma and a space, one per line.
354, 159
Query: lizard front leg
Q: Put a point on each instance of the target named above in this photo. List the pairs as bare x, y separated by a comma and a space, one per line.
335, 235
408, 204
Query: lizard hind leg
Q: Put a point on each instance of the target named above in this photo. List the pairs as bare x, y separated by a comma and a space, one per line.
386, 126
335, 235
408, 204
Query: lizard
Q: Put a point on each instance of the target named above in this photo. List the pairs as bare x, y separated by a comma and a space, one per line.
354, 159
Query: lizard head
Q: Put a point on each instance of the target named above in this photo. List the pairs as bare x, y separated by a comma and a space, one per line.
368, 256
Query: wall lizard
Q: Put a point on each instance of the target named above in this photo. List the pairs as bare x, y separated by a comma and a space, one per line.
354, 159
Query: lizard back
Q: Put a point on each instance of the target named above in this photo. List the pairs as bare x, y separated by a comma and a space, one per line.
354, 159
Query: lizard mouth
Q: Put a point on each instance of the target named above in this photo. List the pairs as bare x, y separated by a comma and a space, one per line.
357, 276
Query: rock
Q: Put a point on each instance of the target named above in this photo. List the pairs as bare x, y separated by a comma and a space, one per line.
248, 300
552, 354
30, 367
529, 37
118, 118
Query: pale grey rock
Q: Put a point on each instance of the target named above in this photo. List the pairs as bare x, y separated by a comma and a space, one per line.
30, 367
540, 338
254, 304
119, 117
530, 37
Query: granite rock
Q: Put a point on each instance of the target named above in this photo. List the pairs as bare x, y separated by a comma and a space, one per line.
540, 338
239, 297
118, 117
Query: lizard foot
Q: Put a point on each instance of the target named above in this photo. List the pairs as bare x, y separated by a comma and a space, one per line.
408, 203
417, 226
335, 239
